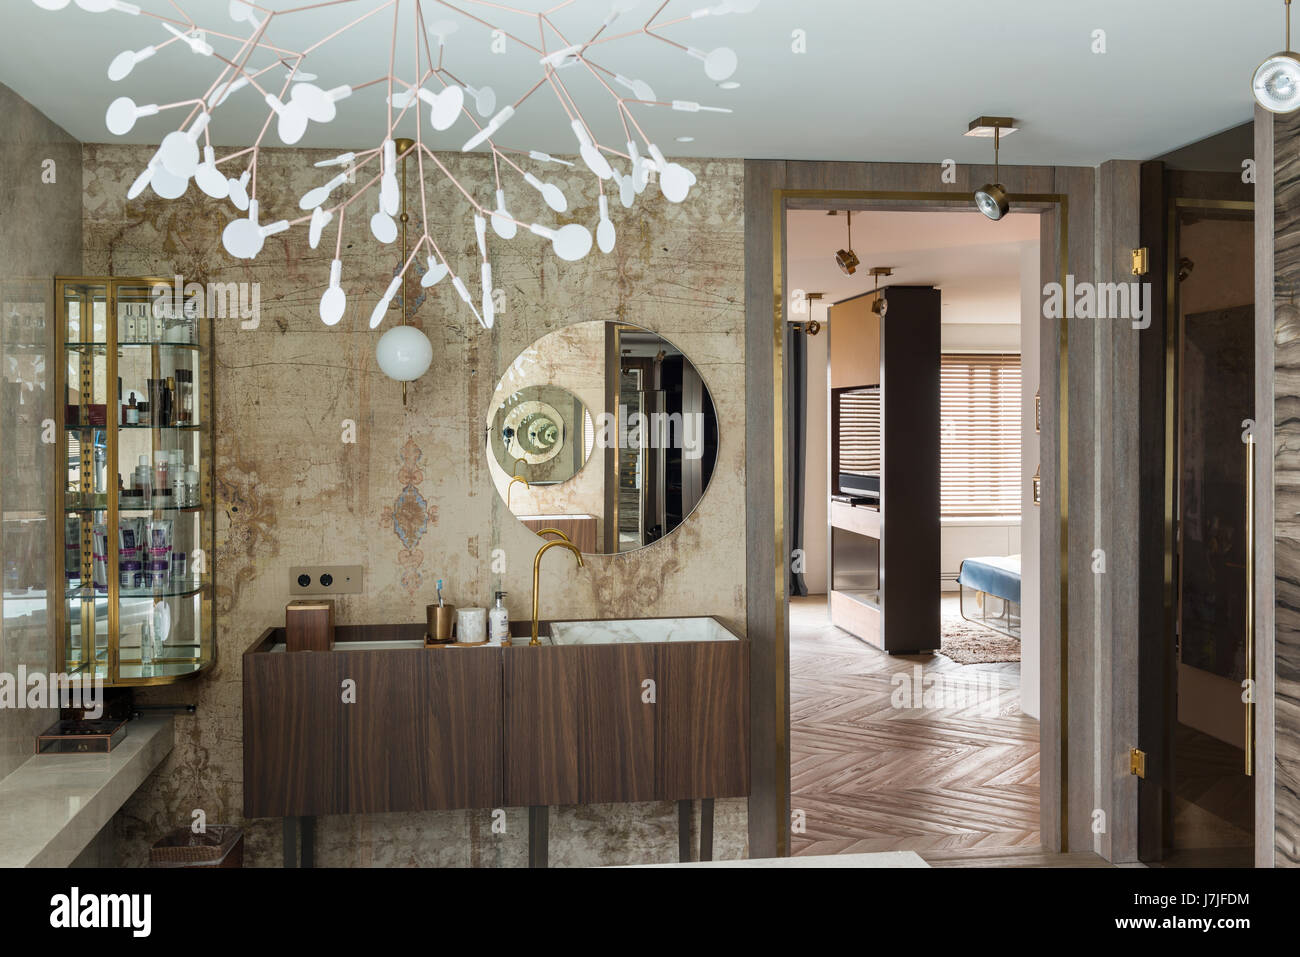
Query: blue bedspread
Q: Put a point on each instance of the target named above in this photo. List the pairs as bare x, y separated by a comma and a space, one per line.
995, 575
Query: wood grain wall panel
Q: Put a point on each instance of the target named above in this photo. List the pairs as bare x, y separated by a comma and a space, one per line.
1286, 490
1265, 614
703, 740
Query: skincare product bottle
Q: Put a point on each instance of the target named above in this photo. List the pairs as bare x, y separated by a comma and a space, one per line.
132, 412
146, 650
144, 481
169, 401
499, 620
142, 410
192, 487
160, 477
176, 476
184, 397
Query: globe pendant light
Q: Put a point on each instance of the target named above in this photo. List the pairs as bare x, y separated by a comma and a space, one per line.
1276, 83
403, 353
992, 199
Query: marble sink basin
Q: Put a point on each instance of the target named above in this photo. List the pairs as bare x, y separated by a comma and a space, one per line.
634, 630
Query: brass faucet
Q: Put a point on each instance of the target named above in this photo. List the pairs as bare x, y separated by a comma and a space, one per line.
553, 531
537, 568
511, 487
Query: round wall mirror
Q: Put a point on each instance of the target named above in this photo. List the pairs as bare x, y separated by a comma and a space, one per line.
603, 433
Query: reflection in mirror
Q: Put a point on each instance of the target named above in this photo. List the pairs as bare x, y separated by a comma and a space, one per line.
604, 433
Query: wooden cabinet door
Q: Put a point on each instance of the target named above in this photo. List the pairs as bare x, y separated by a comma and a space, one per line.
703, 735
291, 712
423, 734
576, 728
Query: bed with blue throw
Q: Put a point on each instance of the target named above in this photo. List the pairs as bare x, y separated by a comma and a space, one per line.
990, 592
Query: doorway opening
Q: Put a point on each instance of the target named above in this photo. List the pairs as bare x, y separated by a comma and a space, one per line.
914, 460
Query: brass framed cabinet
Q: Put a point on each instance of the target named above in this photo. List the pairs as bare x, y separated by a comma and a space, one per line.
134, 488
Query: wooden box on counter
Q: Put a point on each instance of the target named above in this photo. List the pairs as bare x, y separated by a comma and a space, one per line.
309, 625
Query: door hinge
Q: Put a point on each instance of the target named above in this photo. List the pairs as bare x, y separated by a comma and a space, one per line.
1137, 762
1141, 261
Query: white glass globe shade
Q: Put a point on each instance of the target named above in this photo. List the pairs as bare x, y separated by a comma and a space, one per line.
404, 353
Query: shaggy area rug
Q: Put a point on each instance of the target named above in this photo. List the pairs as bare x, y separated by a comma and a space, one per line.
970, 644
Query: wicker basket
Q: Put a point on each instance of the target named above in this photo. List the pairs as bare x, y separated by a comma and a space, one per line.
219, 846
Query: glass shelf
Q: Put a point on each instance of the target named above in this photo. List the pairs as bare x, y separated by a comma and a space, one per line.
133, 509
142, 428
97, 348
176, 588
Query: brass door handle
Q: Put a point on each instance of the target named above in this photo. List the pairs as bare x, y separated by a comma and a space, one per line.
1250, 605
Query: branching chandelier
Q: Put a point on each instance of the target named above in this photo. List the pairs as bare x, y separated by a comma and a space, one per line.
255, 61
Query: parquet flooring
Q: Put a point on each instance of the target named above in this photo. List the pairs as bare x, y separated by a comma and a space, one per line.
952, 776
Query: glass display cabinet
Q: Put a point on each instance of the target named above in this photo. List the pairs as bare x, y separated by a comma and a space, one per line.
134, 428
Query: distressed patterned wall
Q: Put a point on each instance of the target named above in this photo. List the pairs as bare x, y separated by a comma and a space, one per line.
40, 234
412, 498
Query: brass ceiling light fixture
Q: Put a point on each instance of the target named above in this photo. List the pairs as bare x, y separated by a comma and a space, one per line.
847, 259
992, 199
880, 306
1276, 83
811, 326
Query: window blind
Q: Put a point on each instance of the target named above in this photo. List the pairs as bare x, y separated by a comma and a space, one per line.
979, 434
860, 431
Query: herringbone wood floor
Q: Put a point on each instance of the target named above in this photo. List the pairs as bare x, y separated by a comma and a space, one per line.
953, 778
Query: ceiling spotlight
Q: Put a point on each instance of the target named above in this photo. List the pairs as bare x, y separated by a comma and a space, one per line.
880, 306
1276, 83
847, 259
991, 199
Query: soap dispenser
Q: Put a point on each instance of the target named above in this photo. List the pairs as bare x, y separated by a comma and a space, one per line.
499, 621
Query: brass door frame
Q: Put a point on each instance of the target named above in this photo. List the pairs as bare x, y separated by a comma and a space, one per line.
787, 200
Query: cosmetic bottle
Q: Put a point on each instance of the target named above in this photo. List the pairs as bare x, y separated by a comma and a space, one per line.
144, 481
132, 412
192, 487
160, 471
169, 401
143, 411
499, 620
184, 414
176, 474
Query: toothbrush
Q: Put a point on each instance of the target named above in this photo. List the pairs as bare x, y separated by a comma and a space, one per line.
439, 592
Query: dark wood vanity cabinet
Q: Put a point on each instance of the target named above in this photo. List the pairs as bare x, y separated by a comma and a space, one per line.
447, 728
583, 727
421, 734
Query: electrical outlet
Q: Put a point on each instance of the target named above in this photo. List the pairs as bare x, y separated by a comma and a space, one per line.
326, 579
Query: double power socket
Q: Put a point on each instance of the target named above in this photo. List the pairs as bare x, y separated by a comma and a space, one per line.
326, 579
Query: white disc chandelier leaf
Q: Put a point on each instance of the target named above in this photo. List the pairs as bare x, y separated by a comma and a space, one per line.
421, 92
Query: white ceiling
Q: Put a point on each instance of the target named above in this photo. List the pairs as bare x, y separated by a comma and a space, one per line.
880, 81
974, 261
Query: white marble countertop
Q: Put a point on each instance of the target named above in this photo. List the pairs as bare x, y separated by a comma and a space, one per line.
53, 805
885, 859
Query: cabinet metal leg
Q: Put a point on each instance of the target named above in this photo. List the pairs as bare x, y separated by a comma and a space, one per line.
290, 842
684, 810
538, 836
308, 842
706, 829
